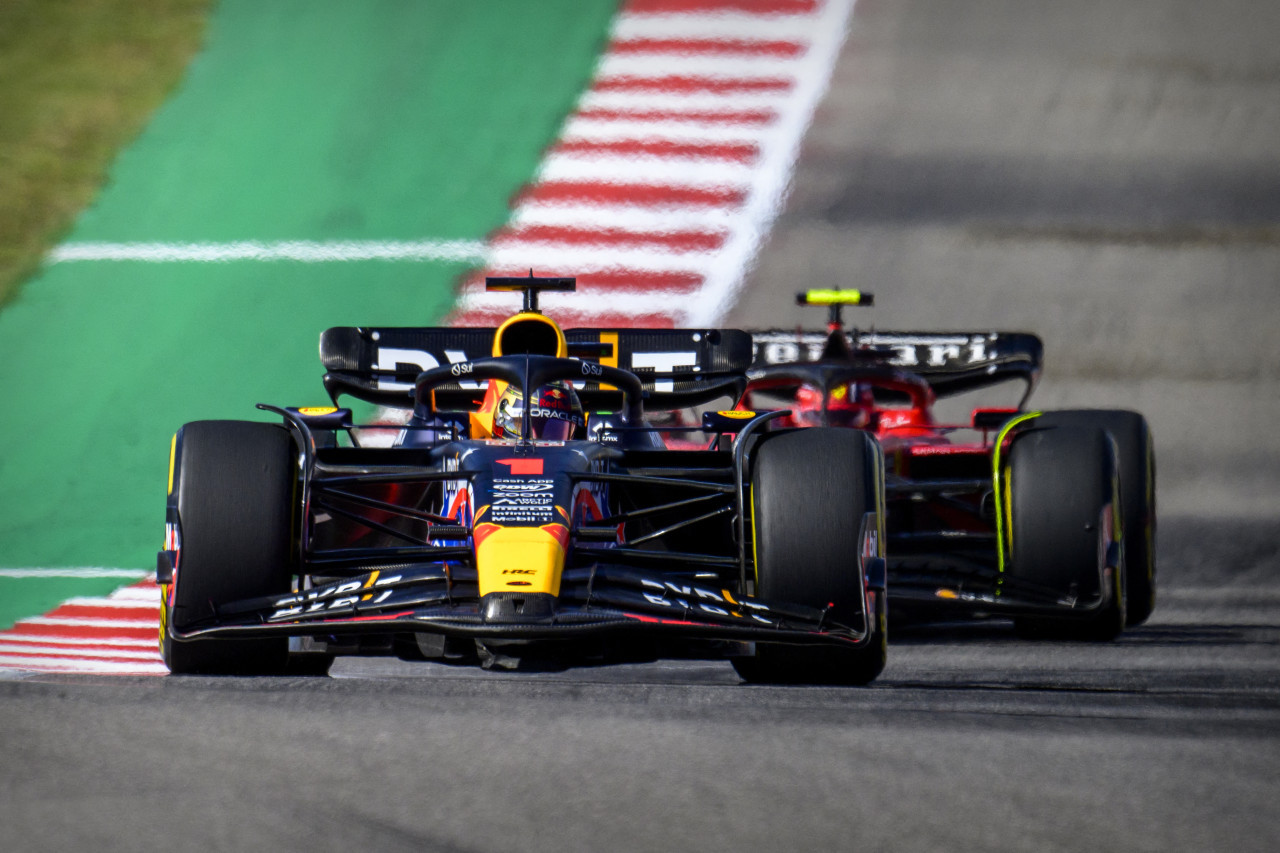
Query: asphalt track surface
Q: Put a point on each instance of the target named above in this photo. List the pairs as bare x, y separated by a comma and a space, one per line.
1104, 175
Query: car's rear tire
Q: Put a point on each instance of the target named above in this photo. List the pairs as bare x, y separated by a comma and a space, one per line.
234, 485
810, 490
1136, 460
1061, 482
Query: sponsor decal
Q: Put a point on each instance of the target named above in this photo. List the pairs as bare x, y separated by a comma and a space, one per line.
415, 360
741, 416
556, 414
870, 544
663, 362
908, 350
889, 420
316, 411
693, 598
524, 501
331, 598
945, 450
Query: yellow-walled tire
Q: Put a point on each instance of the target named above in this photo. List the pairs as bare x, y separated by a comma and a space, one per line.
1062, 481
1136, 462
810, 490
234, 485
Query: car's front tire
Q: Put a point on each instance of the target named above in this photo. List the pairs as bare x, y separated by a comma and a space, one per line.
234, 484
810, 491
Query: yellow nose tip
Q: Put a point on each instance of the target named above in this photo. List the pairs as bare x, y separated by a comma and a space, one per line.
520, 559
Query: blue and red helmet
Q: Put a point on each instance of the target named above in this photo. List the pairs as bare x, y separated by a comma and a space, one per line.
555, 416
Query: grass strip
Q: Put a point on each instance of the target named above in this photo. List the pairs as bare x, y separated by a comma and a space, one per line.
78, 81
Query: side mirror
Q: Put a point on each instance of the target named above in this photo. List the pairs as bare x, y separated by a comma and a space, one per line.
726, 421
323, 417
985, 419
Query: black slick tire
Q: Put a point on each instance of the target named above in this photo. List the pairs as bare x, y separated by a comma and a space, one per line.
1136, 461
1061, 482
234, 485
811, 489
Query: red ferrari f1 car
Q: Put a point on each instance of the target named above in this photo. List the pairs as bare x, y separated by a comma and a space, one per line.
1046, 517
525, 510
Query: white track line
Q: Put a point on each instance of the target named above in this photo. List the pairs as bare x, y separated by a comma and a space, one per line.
579, 127
693, 65
729, 26
54, 640
296, 250
90, 622
623, 99
138, 593
628, 218
644, 169
91, 572
113, 603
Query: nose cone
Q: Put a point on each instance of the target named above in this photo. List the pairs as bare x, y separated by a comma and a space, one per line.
520, 560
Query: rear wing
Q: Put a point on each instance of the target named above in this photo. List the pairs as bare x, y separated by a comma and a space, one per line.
951, 362
379, 365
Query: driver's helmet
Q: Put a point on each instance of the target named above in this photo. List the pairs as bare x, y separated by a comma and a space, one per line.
555, 416
848, 406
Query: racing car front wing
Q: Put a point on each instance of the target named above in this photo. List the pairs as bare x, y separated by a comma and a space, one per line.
444, 599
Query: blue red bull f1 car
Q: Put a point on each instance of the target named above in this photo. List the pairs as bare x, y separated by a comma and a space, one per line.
523, 508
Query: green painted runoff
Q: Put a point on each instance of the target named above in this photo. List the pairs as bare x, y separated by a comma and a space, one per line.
21, 597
